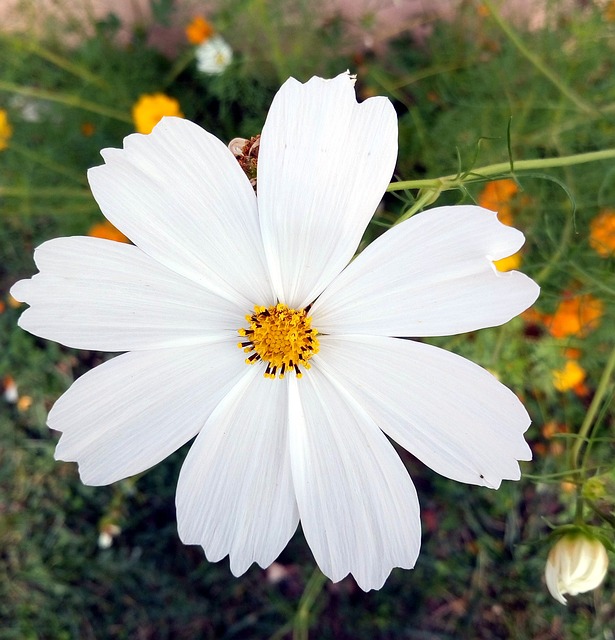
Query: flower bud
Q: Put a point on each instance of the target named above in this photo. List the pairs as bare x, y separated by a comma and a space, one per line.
576, 563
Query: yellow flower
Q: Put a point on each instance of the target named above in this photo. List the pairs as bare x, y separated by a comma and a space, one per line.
510, 263
107, 231
150, 108
576, 564
571, 376
602, 233
6, 131
199, 30
576, 316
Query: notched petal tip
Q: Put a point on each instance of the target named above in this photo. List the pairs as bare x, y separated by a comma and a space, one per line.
20, 289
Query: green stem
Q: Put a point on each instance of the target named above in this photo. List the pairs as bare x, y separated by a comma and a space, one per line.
457, 180
593, 410
301, 625
65, 99
599, 512
555, 257
47, 163
537, 62
181, 64
426, 197
50, 192
564, 240
59, 61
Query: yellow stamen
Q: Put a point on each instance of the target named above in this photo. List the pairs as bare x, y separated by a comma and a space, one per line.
282, 337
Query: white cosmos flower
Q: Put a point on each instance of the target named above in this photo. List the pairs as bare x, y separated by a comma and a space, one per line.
270, 452
213, 56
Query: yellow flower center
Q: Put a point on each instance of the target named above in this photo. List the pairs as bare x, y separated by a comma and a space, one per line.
282, 337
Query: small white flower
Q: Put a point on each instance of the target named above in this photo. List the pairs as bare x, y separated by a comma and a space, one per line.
299, 434
576, 564
213, 56
11, 393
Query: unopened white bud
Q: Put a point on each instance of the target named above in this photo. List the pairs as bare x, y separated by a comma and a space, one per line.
576, 563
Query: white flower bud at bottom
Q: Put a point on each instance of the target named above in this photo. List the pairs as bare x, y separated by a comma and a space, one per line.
576, 564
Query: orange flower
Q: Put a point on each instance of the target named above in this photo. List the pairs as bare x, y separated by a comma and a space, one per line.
107, 231
609, 11
576, 316
532, 316
151, 108
602, 233
496, 196
24, 403
87, 129
570, 377
550, 432
199, 30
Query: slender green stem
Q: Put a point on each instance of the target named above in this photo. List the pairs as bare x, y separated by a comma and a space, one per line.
426, 197
65, 99
301, 625
59, 61
564, 239
588, 422
265, 17
599, 512
537, 62
180, 65
559, 252
457, 180
49, 192
52, 165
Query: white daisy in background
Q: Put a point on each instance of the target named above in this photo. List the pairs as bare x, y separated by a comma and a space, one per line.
213, 56
298, 433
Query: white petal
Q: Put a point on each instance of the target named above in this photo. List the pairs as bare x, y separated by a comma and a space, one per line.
447, 411
552, 580
432, 275
324, 163
180, 195
108, 296
235, 493
359, 510
134, 410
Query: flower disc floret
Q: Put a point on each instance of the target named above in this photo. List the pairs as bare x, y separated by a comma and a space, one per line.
282, 337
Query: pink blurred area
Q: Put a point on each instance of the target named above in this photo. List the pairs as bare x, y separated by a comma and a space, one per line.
369, 23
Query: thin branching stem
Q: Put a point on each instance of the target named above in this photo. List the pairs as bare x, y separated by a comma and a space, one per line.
455, 181
588, 422
66, 99
301, 625
537, 63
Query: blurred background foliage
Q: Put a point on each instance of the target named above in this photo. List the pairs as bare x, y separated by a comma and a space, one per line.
471, 89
